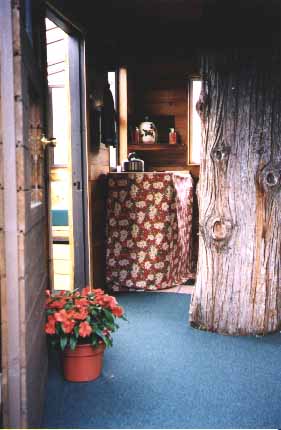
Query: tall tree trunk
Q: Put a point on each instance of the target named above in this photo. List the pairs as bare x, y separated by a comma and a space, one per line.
238, 286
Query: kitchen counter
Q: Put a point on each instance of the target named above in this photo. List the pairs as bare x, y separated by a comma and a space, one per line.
149, 220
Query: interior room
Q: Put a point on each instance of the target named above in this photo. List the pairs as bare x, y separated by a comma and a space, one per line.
161, 59
142, 158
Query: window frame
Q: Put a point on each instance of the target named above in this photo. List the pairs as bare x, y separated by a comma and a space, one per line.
190, 159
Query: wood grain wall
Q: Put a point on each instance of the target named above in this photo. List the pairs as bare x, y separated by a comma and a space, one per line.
33, 236
27, 324
3, 326
161, 89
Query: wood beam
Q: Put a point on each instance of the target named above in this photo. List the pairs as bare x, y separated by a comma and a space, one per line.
123, 115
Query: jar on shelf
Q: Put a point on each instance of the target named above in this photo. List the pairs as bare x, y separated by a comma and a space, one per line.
136, 136
147, 132
172, 136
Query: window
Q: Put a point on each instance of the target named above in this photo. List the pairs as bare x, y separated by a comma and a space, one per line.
111, 76
57, 83
194, 122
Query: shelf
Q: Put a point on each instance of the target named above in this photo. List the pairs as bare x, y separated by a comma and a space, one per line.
157, 147
161, 156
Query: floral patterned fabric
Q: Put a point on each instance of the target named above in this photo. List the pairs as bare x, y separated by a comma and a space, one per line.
149, 220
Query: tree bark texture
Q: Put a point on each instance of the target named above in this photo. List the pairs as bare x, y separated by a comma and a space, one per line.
238, 285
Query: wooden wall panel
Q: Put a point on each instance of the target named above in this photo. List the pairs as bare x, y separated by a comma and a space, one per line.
36, 377
166, 96
35, 268
2, 262
98, 189
98, 169
27, 293
162, 90
1, 192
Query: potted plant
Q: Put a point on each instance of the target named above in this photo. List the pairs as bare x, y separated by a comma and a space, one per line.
80, 324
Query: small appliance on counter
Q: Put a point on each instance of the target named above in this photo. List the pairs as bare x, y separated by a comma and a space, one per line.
133, 164
148, 132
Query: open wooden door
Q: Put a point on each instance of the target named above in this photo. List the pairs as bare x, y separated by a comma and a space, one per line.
24, 272
65, 55
79, 205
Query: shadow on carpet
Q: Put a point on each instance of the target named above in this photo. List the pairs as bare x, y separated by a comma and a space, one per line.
161, 373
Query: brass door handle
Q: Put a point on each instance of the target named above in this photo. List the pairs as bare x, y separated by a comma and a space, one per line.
52, 141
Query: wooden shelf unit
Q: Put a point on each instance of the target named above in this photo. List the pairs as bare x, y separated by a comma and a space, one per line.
157, 147
161, 156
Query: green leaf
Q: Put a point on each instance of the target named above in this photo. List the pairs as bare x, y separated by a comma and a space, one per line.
76, 331
107, 341
99, 332
63, 342
94, 339
108, 315
68, 306
73, 342
111, 326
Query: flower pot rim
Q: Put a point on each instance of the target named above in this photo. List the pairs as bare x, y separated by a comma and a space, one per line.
84, 345
84, 348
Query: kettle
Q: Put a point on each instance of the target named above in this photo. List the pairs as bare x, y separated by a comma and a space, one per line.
133, 164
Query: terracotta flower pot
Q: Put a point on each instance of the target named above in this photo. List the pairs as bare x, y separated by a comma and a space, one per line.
84, 363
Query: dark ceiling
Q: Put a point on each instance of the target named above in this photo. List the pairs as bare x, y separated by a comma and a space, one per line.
138, 30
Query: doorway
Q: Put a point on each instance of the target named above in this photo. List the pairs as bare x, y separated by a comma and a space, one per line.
69, 266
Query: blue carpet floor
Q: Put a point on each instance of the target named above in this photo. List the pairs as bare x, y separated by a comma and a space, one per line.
161, 373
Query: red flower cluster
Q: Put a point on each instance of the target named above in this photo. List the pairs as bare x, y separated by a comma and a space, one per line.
74, 316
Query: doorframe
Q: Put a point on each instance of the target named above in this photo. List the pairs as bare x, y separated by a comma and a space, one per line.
76, 32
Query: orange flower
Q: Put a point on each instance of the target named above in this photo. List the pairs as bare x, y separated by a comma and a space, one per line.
81, 302
99, 301
62, 293
81, 314
85, 329
86, 290
57, 304
118, 311
110, 302
62, 316
68, 326
98, 291
50, 326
